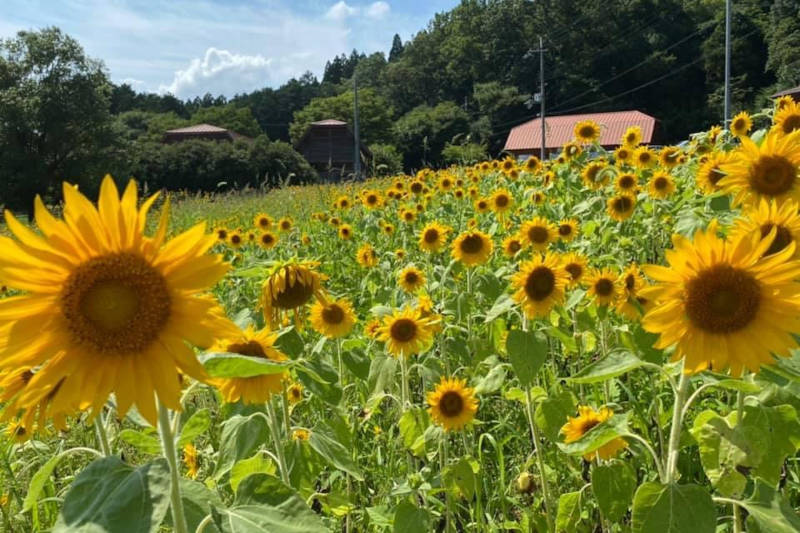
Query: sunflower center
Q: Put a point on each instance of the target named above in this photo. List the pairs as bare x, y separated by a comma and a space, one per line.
644, 157
472, 244
586, 132
783, 237
416, 187
411, 278
575, 270
403, 330
371, 199
630, 138
661, 183
772, 175
587, 425
540, 283
292, 296
538, 234
235, 239
790, 124
604, 287
630, 282
333, 314
116, 303
266, 239
249, 348
501, 201
222, 234
722, 299
451, 404
514, 246
627, 181
565, 230
739, 124
622, 204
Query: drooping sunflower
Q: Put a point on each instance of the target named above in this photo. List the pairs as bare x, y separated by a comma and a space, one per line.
587, 131
511, 245
669, 157
366, 256
723, 303
632, 282
411, 279
622, 155
452, 405
604, 286
787, 119
621, 206
539, 285
568, 229
235, 239
190, 460
644, 157
267, 240
627, 182
433, 237
661, 185
587, 419
332, 319
345, 232
710, 172
501, 201
594, 175
289, 287
472, 248
105, 309
285, 224
538, 233
632, 137
576, 266
263, 222
256, 389
767, 171
741, 124
406, 332
761, 219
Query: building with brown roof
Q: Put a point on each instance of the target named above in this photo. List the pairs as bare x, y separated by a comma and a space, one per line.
794, 92
206, 132
329, 145
526, 139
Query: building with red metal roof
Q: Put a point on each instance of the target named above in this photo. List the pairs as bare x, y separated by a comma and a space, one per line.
526, 139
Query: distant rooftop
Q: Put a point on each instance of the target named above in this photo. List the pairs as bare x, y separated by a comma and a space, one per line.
203, 132
329, 122
794, 91
198, 128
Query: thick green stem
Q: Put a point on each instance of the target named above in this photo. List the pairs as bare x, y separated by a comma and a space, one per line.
168, 448
539, 458
675, 430
442, 467
274, 428
102, 436
737, 511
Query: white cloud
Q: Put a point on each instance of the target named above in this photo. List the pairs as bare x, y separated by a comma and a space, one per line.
221, 72
340, 11
378, 10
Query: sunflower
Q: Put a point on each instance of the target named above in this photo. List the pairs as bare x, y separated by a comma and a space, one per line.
710, 172
416, 187
787, 119
661, 185
767, 171
294, 393
621, 206
400, 254
332, 319
105, 309
501, 201
14, 381
289, 287
741, 124
371, 199
575, 265
458, 193
452, 405
532, 164
345, 232
366, 256
644, 157
342, 202
408, 215
251, 236
627, 182
632, 137
539, 285
632, 282
571, 150
433, 237
305, 239
714, 133
335, 222
669, 157
236, 239
508, 164
301, 434
372, 328
537, 197
481, 205
445, 183
512, 245
538, 233
586, 131
567, 229
604, 286
388, 229
263, 222
406, 332
588, 418
472, 248
411, 279
285, 224
594, 175
761, 219
267, 240
222, 234
783, 101
473, 192
622, 155
724, 303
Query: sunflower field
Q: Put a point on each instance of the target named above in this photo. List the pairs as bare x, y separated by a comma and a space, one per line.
600, 342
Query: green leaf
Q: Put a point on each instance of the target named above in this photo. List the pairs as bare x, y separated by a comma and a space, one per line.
198, 501
241, 436
409, 518
333, 451
552, 412
257, 464
614, 364
501, 306
321, 379
569, 512
412, 426
291, 343
769, 511
233, 365
381, 373
720, 452
197, 424
40, 479
527, 352
673, 508
493, 381
613, 485
357, 362
460, 478
574, 298
597, 437
263, 518
109, 495
141, 441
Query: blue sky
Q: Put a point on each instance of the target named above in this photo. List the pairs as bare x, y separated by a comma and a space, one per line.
190, 47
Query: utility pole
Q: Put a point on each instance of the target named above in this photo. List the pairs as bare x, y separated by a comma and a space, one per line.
727, 111
541, 95
357, 160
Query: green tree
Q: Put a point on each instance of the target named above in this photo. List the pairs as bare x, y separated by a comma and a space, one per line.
783, 42
386, 160
423, 132
397, 47
231, 116
464, 154
54, 116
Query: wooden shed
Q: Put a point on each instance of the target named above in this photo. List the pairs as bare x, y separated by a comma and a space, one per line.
329, 145
205, 132
794, 92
